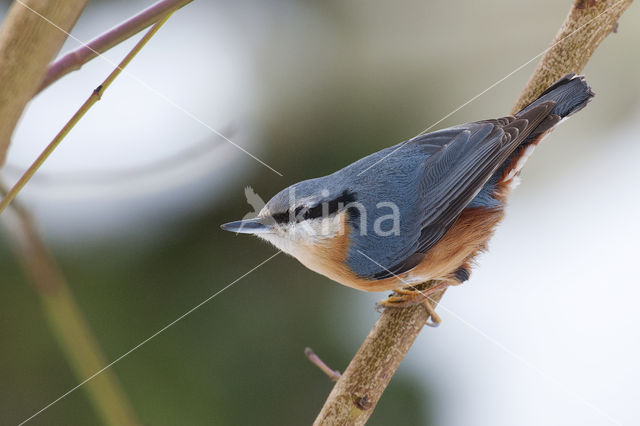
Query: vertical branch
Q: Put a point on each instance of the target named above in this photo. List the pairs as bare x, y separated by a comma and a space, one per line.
68, 324
355, 395
27, 44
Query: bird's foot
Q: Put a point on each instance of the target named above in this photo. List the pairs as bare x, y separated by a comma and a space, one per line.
404, 298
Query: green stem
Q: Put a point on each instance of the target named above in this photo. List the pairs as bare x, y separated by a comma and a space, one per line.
86, 106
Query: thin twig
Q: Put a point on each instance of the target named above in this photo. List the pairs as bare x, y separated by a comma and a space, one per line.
75, 59
334, 375
69, 326
93, 98
357, 392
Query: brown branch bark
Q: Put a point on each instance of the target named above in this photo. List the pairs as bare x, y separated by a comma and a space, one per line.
75, 59
588, 23
355, 395
27, 44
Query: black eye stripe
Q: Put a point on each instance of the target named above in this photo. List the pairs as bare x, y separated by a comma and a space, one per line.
281, 217
316, 211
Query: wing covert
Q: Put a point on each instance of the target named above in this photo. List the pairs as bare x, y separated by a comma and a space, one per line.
466, 157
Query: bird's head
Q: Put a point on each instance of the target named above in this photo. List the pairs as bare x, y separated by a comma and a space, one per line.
299, 216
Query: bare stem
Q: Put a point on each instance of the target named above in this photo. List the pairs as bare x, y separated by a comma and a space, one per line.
334, 375
93, 98
75, 59
69, 326
357, 392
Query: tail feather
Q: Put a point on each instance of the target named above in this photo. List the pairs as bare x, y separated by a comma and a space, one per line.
571, 93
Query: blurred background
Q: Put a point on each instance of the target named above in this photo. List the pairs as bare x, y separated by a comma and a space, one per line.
546, 330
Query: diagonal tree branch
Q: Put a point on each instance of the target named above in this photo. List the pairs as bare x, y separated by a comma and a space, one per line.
355, 395
75, 59
588, 24
27, 45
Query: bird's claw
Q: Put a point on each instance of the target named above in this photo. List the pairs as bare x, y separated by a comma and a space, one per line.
404, 298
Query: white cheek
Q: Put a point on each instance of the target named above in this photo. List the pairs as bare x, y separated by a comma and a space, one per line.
326, 228
296, 239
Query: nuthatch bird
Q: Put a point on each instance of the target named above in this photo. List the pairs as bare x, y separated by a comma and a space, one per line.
417, 211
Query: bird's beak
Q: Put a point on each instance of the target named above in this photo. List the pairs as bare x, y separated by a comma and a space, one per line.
249, 226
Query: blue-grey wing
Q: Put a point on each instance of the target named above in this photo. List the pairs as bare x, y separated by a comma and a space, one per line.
460, 162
